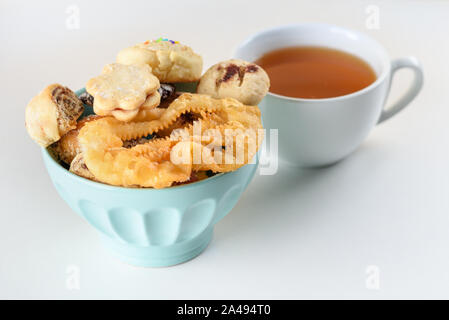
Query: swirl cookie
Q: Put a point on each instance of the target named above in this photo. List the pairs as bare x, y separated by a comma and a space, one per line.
68, 146
169, 60
121, 90
78, 167
238, 79
52, 113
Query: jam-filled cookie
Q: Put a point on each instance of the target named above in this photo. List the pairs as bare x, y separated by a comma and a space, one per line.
121, 90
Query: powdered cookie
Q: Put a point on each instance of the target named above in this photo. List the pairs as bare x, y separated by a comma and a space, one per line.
152, 101
170, 61
121, 87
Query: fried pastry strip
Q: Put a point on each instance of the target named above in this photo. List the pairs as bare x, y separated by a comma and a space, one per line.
151, 164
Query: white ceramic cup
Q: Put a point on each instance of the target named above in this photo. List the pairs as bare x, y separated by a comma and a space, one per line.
320, 132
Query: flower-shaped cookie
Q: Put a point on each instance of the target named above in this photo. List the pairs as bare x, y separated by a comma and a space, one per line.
121, 87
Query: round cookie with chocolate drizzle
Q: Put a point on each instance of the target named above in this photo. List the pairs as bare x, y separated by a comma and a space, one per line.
238, 79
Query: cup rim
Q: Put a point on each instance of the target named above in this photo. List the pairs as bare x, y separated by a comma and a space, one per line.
376, 83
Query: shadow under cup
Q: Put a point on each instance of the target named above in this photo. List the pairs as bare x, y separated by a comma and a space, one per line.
320, 132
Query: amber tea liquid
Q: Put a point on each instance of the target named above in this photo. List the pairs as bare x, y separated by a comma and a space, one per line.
315, 72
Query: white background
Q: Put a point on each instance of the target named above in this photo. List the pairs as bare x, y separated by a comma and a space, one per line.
297, 234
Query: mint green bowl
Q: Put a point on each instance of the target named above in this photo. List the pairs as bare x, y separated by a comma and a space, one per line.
152, 227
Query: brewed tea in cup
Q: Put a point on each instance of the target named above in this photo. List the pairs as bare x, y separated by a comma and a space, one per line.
315, 72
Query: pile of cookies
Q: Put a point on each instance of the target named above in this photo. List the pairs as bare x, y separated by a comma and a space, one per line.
139, 122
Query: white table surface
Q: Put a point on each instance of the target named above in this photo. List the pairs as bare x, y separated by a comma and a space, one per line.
297, 234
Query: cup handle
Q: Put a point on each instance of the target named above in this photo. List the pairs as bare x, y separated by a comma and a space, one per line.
410, 94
